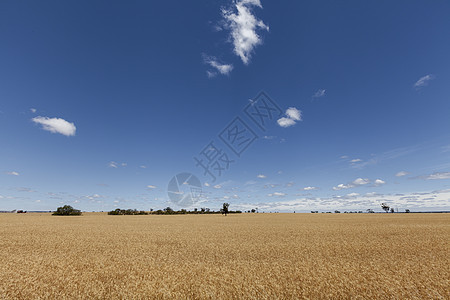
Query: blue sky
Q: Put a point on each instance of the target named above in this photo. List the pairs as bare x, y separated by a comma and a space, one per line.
102, 103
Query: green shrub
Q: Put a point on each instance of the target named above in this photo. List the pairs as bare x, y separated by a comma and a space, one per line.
67, 210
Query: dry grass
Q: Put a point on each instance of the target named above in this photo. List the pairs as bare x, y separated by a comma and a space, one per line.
240, 256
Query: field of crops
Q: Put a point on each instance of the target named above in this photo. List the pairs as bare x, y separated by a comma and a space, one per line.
211, 256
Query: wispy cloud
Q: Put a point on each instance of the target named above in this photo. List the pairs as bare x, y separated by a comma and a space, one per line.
401, 173
292, 115
151, 186
115, 165
438, 175
14, 173
356, 160
56, 125
221, 68
243, 26
319, 93
388, 155
33, 110
261, 176
423, 81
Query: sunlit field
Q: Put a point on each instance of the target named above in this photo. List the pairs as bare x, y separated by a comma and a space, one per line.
212, 256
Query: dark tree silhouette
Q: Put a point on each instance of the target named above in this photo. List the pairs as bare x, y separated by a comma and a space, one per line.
67, 210
385, 207
225, 208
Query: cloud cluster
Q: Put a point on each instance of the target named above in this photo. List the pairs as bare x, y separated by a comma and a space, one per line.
14, 173
439, 199
56, 125
243, 26
292, 115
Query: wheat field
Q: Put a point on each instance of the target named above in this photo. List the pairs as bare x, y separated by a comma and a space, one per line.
258, 256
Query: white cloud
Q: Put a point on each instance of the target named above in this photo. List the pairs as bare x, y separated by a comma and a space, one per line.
379, 182
319, 93
342, 186
285, 122
292, 116
261, 176
310, 188
423, 81
344, 157
357, 182
151, 186
352, 195
356, 160
361, 181
401, 173
14, 173
277, 194
217, 186
33, 110
206, 184
56, 125
243, 26
143, 167
223, 69
438, 175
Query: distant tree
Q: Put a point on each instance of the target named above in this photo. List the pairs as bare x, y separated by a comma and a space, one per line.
370, 211
407, 211
385, 207
253, 210
67, 210
337, 212
392, 210
168, 210
195, 209
224, 209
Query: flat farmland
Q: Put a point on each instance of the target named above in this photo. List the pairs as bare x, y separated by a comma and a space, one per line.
259, 256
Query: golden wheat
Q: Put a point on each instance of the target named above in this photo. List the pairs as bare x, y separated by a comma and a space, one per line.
263, 256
